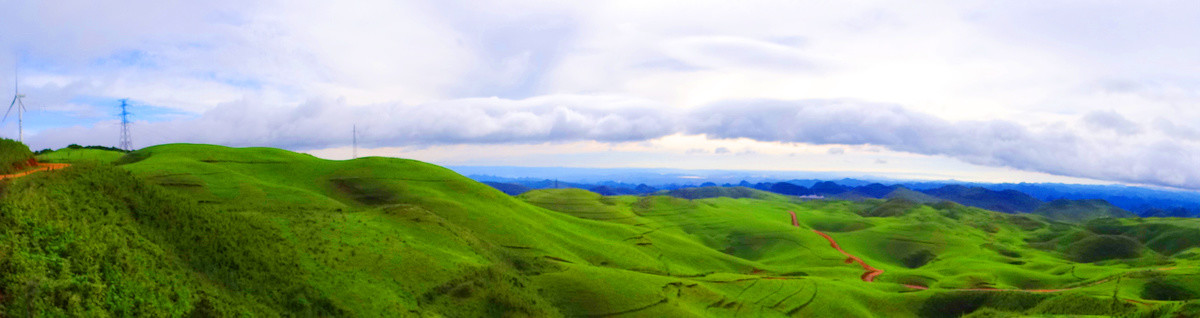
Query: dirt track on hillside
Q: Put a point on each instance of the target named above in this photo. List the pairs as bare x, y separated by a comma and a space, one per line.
39, 167
872, 272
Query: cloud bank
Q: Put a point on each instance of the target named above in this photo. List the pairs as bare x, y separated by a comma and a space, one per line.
1055, 149
1058, 149
1095, 90
324, 123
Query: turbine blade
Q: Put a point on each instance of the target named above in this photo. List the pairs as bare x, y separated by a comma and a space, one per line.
10, 106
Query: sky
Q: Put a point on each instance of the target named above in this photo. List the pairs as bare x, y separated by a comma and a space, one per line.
1036, 91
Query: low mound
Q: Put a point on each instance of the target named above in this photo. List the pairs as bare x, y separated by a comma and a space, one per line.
1170, 288
78, 154
14, 156
1104, 247
957, 304
1165, 236
579, 203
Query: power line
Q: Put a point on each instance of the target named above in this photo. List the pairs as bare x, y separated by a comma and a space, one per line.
126, 141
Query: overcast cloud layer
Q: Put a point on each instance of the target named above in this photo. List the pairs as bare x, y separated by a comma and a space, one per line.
1105, 91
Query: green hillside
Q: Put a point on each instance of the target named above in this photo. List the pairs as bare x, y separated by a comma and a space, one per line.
910, 195
1007, 201
1081, 210
14, 156
717, 192
77, 155
200, 230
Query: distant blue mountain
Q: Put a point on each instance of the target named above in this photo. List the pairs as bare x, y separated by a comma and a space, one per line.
1004, 197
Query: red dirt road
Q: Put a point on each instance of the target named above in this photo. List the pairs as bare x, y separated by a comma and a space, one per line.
871, 272
38, 167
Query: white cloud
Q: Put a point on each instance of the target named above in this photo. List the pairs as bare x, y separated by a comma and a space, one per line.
1055, 149
321, 123
1095, 90
1111, 120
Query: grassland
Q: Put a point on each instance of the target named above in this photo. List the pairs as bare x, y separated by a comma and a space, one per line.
80, 155
201, 230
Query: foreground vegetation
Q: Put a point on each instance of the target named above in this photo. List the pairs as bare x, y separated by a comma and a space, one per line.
14, 156
199, 230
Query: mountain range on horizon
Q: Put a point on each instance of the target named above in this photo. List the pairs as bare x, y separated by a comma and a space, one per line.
1121, 200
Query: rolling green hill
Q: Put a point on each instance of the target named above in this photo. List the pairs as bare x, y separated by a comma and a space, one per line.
910, 195
1081, 210
1008, 201
201, 230
77, 155
718, 192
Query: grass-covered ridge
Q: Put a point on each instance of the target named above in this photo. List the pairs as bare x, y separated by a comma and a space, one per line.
80, 154
14, 156
267, 232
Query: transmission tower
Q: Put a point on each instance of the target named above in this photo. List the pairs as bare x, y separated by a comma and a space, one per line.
20, 106
126, 141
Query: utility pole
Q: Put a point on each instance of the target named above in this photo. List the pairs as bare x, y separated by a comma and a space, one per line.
126, 141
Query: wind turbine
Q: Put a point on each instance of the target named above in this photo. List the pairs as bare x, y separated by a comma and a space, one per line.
20, 105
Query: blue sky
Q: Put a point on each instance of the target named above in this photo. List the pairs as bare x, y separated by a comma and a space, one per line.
972, 90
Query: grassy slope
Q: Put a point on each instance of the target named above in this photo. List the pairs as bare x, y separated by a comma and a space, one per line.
267, 232
13, 156
1081, 210
68, 155
715, 192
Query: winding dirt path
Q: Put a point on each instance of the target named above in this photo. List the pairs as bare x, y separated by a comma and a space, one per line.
37, 168
871, 272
